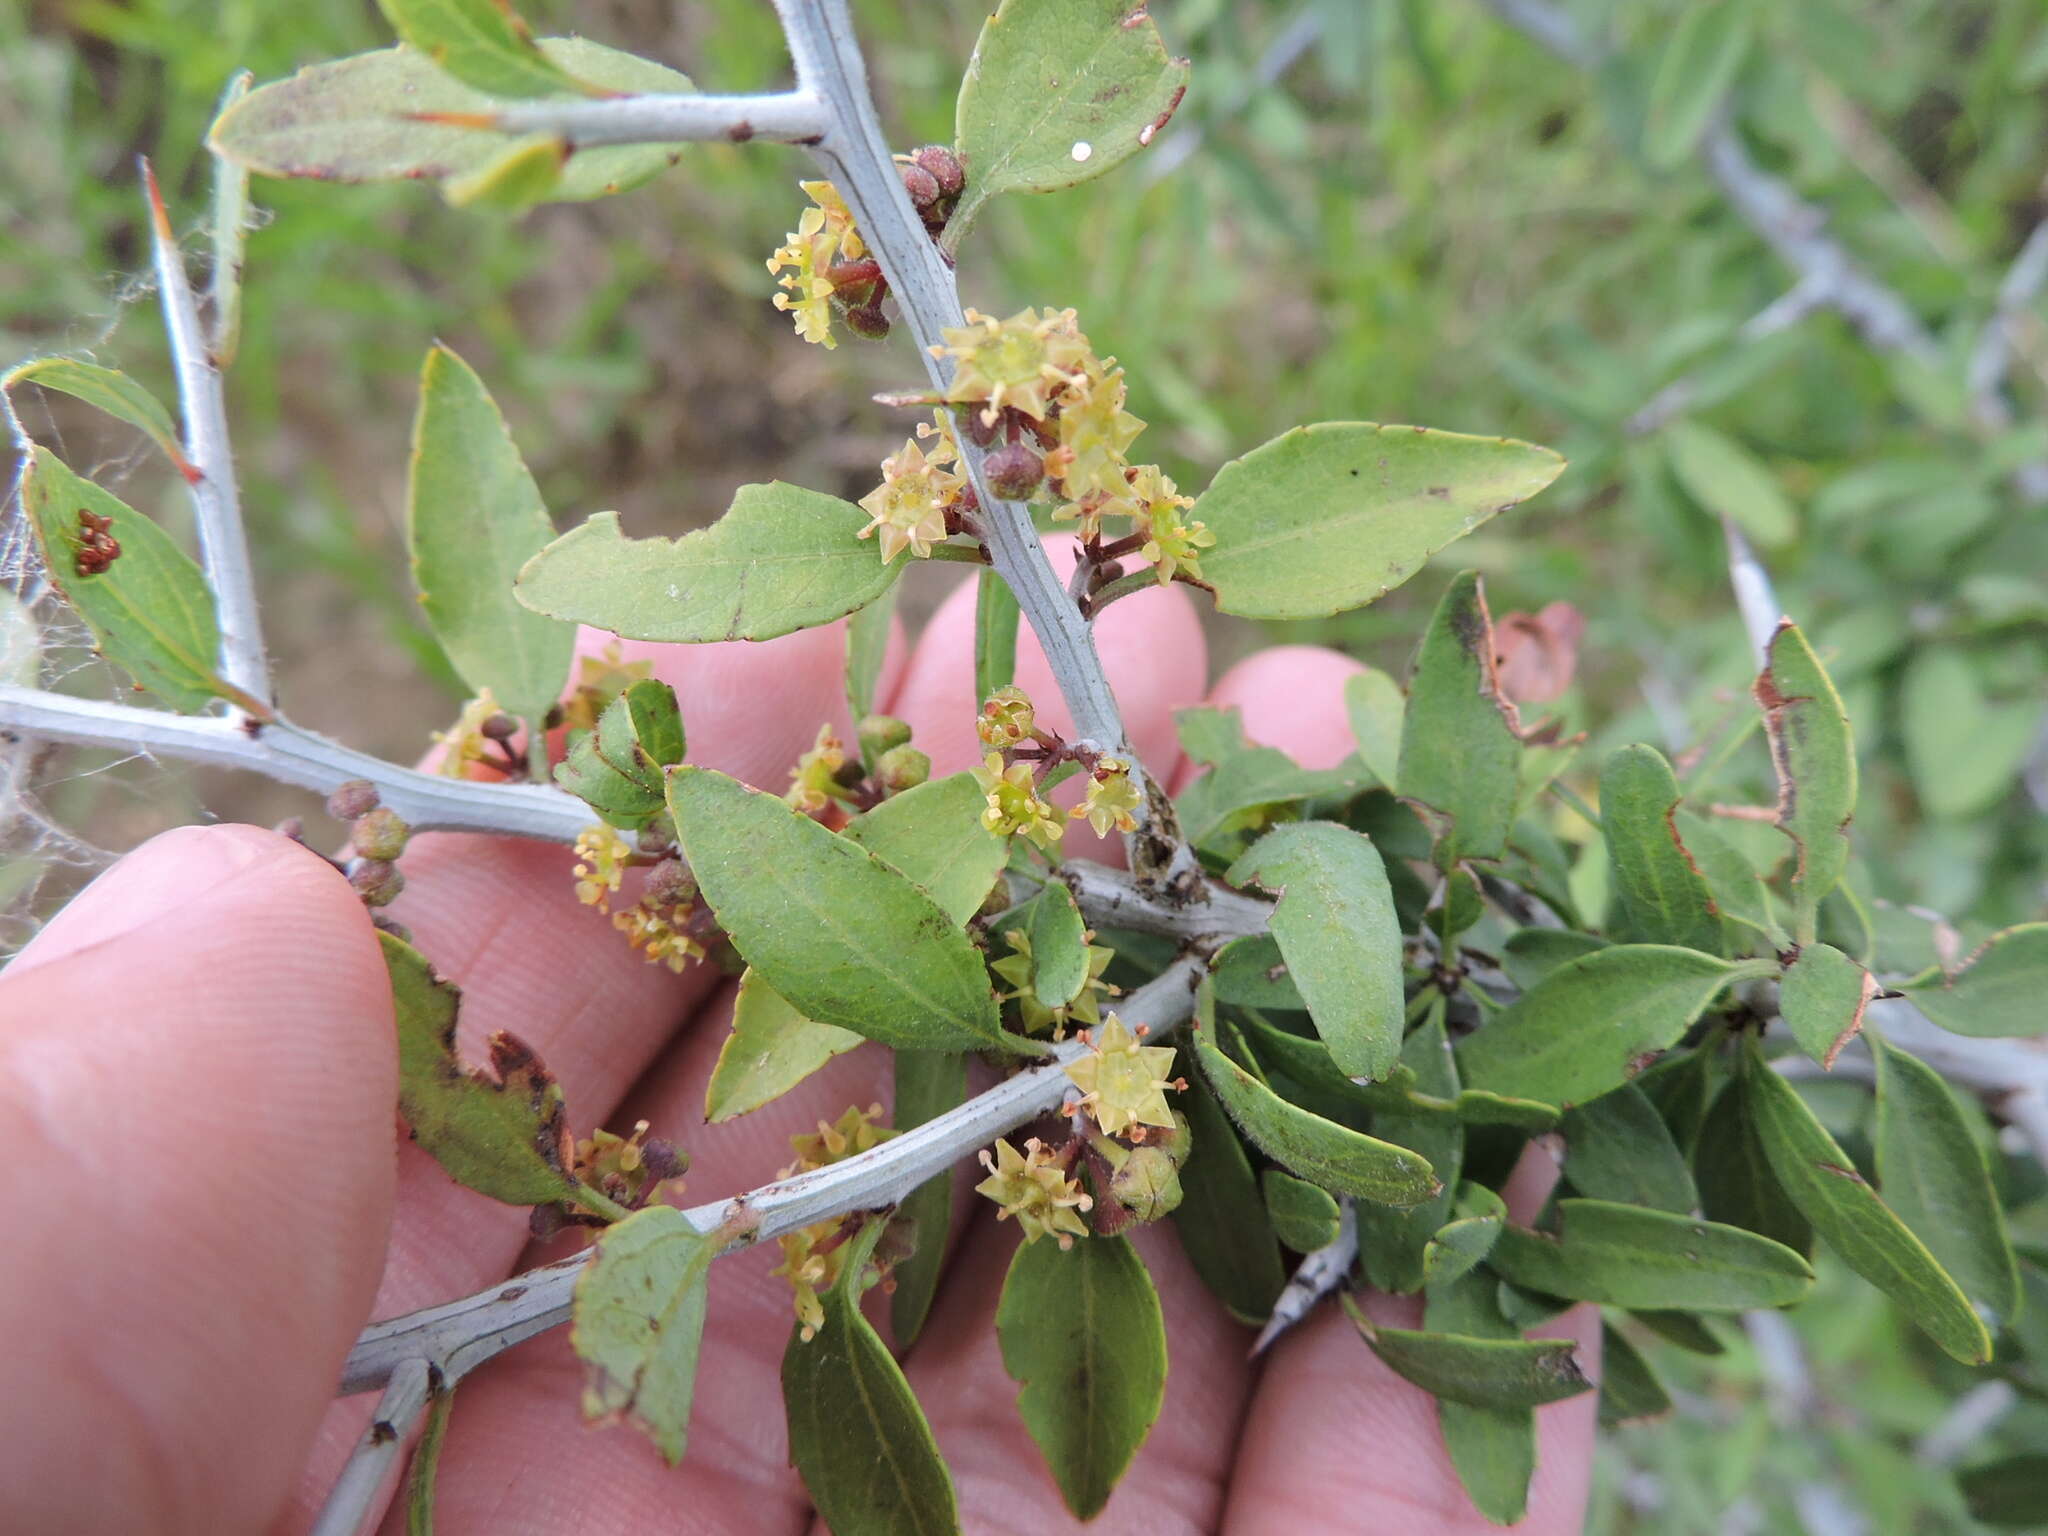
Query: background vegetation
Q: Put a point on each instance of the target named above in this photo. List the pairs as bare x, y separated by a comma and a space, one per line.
1381, 209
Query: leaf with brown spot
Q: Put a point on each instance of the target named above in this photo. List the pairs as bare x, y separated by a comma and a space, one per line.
502, 1134
1461, 740
639, 1322
1823, 995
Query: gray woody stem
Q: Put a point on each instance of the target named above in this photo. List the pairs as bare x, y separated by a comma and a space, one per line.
354, 1503
216, 502
461, 1335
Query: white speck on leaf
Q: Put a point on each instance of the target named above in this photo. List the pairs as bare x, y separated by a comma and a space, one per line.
1145, 133
674, 591
1082, 149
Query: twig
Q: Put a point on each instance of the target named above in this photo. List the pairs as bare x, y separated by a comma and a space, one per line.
1317, 1275
1754, 595
790, 117
1967, 1421
1993, 353
1110, 898
216, 502
352, 1505
460, 1335
1295, 39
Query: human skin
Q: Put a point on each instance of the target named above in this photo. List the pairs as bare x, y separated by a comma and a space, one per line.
196, 1087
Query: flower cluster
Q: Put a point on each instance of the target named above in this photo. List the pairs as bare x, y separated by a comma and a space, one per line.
1034, 1186
908, 509
632, 1169
811, 1256
1121, 1079
825, 261
1085, 1006
1014, 805
601, 859
820, 775
1113, 799
658, 925
1006, 719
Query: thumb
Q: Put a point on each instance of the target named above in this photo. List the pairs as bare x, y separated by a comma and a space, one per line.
196, 1090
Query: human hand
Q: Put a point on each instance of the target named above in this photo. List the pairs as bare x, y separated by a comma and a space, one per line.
196, 1065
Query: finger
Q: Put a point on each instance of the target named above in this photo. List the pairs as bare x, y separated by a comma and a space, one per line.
1325, 1393
500, 917
1290, 697
196, 1079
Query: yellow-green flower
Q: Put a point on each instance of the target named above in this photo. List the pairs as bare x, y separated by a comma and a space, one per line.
1014, 364
1172, 544
1120, 1080
856, 1130
1095, 434
660, 935
1031, 1187
909, 507
823, 234
1014, 804
1006, 718
808, 1263
601, 864
599, 680
814, 781
1113, 799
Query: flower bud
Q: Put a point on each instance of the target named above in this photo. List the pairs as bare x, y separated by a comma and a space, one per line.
922, 186
358, 797
377, 881
870, 322
980, 432
1147, 1185
943, 166
878, 733
902, 768
500, 727
669, 884
380, 834
1014, 471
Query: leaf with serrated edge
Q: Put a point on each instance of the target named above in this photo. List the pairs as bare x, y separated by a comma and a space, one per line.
1661, 894
113, 392
856, 1434
2000, 990
846, 937
1337, 930
150, 611
1304, 1217
1823, 1183
1822, 996
1816, 766
1626, 1256
1333, 516
1619, 1148
369, 118
639, 1321
1461, 744
782, 559
1934, 1177
473, 517
1487, 1373
1083, 1337
1594, 1022
1317, 1149
507, 1138
1057, 93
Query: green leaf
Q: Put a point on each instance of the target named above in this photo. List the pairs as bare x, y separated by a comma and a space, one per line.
995, 633
1059, 946
1461, 745
1998, 991
1487, 1373
524, 173
1816, 765
1659, 893
618, 769
1593, 1023
1736, 1182
1629, 1388
782, 559
1935, 1179
505, 1137
1336, 928
1304, 1217
1618, 1148
933, 834
1395, 1243
847, 938
867, 646
1458, 1246
1963, 750
1685, 1329
1625, 1256
115, 393
371, 118
1221, 1219
1531, 954
473, 517
1823, 1183
1376, 706
771, 1049
420, 1477
483, 43
1246, 784
2006, 1492
1339, 1160
639, 1321
856, 1434
1694, 72
1249, 973
1082, 1336
1057, 93
1493, 1449
1333, 516
1739, 891
1726, 478
1822, 996
150, 611
928, 1083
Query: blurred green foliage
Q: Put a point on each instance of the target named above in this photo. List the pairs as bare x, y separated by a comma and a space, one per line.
1396, 211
